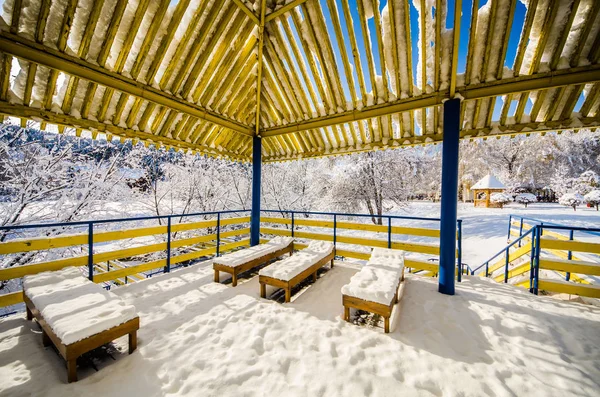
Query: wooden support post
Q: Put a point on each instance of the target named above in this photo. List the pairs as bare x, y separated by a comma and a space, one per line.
263, 290
132, 341
234, 279
386, 322
288, 294
256, 171
449, 196
72, 370
216, 277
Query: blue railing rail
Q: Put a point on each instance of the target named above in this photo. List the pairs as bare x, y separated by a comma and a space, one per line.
535, 221
90, 224
506, 252
536, 233
293, 214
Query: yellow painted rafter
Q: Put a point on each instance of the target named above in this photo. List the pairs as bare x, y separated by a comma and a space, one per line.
261, 38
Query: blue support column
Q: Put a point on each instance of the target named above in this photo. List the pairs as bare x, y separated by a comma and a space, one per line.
449, 196
256, 168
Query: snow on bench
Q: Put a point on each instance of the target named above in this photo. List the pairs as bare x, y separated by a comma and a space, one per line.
375, 287
288, 272
240, 261
76, 314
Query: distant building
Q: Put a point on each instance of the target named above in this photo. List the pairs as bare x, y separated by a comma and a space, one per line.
483, 189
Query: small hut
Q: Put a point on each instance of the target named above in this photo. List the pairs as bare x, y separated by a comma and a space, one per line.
483, 189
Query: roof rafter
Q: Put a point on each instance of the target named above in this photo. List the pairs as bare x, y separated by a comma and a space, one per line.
33, 52
525, 83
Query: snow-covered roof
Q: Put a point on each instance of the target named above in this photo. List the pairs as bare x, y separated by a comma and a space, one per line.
197, 75
488, 182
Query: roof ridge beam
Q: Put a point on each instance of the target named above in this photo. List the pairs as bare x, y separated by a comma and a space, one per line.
33, 52
283, 10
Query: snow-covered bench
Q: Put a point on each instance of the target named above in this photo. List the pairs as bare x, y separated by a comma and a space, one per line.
243, 260
375, 287
77, 315
288, 272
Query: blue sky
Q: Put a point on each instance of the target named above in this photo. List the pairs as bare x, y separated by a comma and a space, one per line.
514, 37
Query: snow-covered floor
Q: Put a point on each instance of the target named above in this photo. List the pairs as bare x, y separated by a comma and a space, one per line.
199, 338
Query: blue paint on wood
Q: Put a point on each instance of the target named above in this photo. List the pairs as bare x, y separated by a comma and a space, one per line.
449, 196
256, 169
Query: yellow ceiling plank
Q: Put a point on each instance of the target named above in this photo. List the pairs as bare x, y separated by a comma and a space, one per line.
587, 27
380, 44
239, 86
222, 56
368, 51
281, 78
590, 99
82, 53
229, 66
261, 40
455, 43
310, 29
290, 71
472, 38
299, 61
327, 46
311, 62
240, 70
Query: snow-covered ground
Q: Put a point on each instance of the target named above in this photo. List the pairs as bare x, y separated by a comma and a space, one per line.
485, 229
202, 338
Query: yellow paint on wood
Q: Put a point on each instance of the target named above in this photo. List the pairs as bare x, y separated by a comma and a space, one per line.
592, 291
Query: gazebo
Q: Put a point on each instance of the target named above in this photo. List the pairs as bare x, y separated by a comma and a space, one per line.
268, 80
484, 188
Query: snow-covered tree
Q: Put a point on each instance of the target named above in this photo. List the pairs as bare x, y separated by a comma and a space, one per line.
593, 198
525, 198
500, 198
571, 200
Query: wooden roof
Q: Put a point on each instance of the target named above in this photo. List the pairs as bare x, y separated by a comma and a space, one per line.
207, 75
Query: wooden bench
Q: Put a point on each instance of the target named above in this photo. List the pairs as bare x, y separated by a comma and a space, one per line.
289, 272
256, 255
71, 351
375, 287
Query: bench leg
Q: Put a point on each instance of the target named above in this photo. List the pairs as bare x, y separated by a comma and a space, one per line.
386, 322
314, 277
288, 295
45, 339
72, 370
346, 313
216, 279
263, 290
29, 313
332, 263
234, 280
132, 341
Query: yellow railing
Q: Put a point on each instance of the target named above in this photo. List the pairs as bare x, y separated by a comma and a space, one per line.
227, 240
304, 229
553, 250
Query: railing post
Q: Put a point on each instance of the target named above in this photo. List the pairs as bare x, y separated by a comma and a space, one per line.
520, 230
389, 232
537, 260
292, 223
334, 229
570, 255
91, 251
506, 253
509, 227
168, 266
532, 260
459, 253
487, 266
218, 232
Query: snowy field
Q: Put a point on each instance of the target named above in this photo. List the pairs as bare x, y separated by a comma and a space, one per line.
485, 229
199, 338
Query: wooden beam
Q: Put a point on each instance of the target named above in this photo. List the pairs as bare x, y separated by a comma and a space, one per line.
552, 79
261, 38
25, 49
248, 12
91, 125
283, 10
